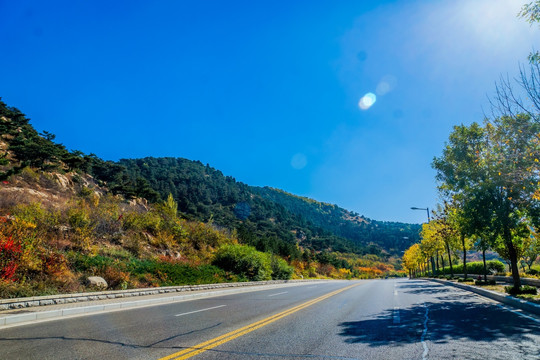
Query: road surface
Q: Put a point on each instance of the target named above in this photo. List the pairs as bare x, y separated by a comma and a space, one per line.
380, 319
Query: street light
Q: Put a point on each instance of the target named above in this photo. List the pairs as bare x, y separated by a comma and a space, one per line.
427, 210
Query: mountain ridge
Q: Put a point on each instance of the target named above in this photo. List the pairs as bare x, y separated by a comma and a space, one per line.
267, 218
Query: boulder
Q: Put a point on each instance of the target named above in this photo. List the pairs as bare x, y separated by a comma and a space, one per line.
96, 281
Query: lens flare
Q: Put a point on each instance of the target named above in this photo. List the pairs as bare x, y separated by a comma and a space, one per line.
387, 84
367, 101
299, 161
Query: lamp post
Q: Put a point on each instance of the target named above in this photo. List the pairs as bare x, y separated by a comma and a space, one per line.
427, 210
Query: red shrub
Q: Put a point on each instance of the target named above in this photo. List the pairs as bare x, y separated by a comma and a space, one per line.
10, 251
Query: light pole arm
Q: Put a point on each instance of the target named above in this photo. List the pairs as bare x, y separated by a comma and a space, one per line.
427, 210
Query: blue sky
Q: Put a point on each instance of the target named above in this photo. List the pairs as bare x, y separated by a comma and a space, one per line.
267, 91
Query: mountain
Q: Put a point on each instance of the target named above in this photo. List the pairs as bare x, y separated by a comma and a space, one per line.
66, 215
394, 237
270, 219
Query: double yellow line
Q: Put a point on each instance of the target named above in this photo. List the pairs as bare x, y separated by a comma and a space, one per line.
210, 344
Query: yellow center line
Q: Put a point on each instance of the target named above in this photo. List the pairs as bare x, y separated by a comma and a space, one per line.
210, 344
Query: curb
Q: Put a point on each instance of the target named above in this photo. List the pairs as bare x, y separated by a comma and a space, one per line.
493, 295
506, 279
18, 303
55, 314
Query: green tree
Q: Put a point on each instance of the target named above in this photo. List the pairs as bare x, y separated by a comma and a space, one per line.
531, 249
499, 164
531, 13
461, 221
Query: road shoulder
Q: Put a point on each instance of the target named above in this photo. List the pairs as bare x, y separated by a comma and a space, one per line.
493, 295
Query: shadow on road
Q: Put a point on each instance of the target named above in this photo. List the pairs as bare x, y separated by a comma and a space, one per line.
450, 317
423, 287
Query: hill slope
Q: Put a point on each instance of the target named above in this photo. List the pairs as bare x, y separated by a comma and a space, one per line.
270, 219
393, 237
265, 216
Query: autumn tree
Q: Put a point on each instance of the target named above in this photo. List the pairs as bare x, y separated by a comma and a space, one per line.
432, 243
412, 259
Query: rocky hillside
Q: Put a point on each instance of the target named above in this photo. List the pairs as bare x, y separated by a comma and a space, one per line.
65, 215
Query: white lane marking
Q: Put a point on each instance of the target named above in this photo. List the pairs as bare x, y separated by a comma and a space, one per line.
196, 311
423, 338
519, 313
278, 294
397, 318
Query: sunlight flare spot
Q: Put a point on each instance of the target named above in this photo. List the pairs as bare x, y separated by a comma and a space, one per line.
383, 88
367, 101
387, 84
299, 161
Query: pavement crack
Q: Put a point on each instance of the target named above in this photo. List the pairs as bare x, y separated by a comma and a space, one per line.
424, 333
112, 342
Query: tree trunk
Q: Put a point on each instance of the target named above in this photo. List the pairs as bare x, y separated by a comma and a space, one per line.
442, 263
464, 256
450, 259
513, 257
432, 266
485, 266
437, 258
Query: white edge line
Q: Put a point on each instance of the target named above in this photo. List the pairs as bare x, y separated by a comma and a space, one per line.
397, 319
281, 293
196, 311
519, 313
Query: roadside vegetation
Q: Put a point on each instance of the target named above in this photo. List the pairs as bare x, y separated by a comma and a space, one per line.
66, 216
489, 180
52, 243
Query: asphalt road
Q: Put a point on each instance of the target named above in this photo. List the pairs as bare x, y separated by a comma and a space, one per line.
381, 319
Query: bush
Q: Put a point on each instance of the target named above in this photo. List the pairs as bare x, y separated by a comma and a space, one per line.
525, 289
532, 272
465, 280
126, 272
169, 274
280, 269
244, 261
476, 267
482, 282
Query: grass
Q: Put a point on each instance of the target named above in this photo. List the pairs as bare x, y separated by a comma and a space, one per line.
500, 289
